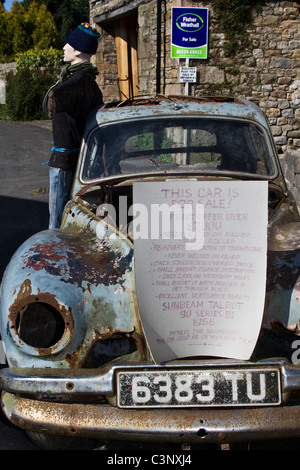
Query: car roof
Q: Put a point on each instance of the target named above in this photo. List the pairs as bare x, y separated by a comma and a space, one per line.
160, 106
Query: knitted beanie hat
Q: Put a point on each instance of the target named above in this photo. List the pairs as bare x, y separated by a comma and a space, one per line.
84, 39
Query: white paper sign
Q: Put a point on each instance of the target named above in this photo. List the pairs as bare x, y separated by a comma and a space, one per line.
188, 74
200, 266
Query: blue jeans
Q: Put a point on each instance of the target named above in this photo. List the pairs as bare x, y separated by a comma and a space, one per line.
59, 194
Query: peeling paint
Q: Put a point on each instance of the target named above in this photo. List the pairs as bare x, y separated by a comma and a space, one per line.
76, 259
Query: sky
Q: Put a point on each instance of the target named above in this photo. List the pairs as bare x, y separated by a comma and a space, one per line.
7, 4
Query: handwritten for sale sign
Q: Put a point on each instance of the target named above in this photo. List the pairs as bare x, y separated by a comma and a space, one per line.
200, 266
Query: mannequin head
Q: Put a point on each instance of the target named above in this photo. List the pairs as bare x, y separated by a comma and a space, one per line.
73, 56
81, 44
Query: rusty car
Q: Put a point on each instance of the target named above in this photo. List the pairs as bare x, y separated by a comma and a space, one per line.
98, 339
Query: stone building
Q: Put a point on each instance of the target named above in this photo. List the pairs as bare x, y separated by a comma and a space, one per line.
134, 58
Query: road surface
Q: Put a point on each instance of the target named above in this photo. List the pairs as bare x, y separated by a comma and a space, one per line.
23, 211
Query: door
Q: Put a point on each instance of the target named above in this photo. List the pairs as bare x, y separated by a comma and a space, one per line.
126, 35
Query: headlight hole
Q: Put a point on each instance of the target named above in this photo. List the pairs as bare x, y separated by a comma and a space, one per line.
39, 325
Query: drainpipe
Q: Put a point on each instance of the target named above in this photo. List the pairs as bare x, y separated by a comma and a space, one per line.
158, 46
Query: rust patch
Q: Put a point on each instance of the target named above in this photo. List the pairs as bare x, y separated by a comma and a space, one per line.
155, 100
283, 269
197, 426
24, 298
77, 258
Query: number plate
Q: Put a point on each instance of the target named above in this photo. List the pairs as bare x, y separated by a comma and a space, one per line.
235, 387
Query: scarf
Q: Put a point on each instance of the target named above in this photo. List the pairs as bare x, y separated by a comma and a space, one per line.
69, 70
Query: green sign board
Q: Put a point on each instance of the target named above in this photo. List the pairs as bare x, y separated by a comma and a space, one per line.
189, 33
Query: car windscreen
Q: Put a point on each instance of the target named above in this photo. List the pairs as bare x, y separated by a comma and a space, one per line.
176, 145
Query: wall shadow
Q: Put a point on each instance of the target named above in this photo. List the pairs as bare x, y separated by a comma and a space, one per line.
19, 219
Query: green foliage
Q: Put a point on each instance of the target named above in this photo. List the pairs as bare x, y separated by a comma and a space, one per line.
43, 29
24, 29
233, 17
36, 58
67, 14
5, 43
31, 34
25, 91
3, 113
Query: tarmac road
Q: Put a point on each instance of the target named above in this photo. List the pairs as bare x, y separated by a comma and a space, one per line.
23, 211
24, 183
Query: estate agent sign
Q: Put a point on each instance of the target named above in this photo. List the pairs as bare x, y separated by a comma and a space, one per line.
189, 33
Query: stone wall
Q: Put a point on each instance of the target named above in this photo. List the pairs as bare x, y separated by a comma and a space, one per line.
290, 163
267, 72
4, 69
147, 47
107, 65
